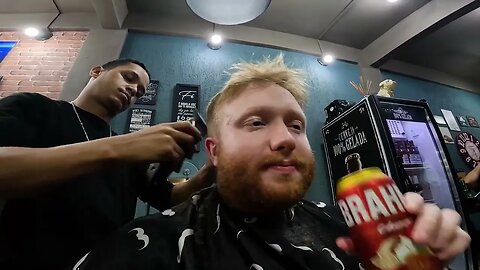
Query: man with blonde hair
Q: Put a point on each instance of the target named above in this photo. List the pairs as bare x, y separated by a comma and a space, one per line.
255, 218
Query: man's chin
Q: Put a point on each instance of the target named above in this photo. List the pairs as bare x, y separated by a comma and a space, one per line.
277, 199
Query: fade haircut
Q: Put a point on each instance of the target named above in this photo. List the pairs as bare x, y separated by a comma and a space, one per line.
242, 74
125, 61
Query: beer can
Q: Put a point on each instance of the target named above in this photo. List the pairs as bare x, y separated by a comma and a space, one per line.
379, 225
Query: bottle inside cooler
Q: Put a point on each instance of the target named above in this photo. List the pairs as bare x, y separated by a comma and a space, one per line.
420, 161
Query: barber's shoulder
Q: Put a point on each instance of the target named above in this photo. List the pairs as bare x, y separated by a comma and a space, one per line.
23, 99
26, 96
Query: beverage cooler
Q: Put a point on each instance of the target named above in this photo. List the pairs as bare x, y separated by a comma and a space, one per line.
401, 138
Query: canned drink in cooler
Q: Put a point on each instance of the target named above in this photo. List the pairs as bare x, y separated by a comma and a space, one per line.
379, 225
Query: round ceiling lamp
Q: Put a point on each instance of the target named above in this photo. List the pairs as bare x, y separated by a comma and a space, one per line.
228, 12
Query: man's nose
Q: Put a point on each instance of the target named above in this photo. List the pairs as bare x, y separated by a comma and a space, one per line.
281, 139
132, 89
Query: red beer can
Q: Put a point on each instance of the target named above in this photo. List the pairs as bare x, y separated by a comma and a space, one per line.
379, 225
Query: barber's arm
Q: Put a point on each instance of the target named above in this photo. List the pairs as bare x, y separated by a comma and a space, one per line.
204, 178
471, 179
28, 170
162, 194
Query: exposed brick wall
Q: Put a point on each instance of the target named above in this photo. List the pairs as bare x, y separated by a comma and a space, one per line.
39, 66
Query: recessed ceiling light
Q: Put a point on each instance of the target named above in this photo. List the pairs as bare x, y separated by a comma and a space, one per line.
328, 58
216, 39
215, 42
392, 1
31, 31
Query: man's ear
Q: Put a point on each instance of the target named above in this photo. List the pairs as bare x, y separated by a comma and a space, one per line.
95, 71
211, 148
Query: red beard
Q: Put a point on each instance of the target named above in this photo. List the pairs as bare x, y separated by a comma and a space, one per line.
241, 187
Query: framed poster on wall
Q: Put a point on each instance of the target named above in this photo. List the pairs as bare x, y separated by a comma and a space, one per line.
139, 119
463, 121
472, 121
184, 102
150, 96
439, 119
446, 135
450, 119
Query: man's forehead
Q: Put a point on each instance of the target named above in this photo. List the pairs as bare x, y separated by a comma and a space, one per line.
132, 67
270, 96
229, 114
142, 73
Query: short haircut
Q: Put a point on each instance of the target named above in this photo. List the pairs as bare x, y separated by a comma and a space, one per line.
269, 70
125, 61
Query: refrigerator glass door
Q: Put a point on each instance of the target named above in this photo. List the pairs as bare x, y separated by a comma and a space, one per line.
419, 149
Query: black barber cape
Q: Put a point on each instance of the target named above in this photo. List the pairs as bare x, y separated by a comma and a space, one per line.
203, 233
51, 229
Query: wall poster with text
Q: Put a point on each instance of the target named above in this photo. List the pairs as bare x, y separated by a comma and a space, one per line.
351, 143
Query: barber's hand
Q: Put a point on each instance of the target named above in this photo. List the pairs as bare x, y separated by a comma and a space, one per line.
166, 143
471, 179
437, 228
206, 176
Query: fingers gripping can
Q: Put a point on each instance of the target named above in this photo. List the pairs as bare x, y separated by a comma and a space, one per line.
379, 225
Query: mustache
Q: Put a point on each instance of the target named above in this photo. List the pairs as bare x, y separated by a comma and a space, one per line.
296, 161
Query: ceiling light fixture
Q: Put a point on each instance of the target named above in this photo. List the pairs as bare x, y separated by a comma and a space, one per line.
31, 31
228, 12
215, 41
328, 58
392, 1
324, 59
46, 33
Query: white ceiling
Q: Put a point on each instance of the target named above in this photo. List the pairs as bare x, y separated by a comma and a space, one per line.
40, 6
355, 25
454, 49
26, 6
304, 17
74, 5
366, 20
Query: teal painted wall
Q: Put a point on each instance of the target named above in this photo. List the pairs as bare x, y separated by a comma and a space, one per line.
439, 96
173, 60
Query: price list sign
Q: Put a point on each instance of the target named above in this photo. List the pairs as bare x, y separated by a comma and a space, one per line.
184, 102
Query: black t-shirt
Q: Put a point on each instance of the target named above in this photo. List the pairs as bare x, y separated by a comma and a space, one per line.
52, 229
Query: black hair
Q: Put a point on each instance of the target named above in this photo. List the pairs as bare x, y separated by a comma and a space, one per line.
125, 61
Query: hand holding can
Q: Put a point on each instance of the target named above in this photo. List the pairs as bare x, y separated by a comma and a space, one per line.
372, 206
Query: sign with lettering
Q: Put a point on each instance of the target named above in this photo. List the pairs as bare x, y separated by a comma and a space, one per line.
139, 119
184, 102
403, 112
150, 96
351, 143
469, 148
